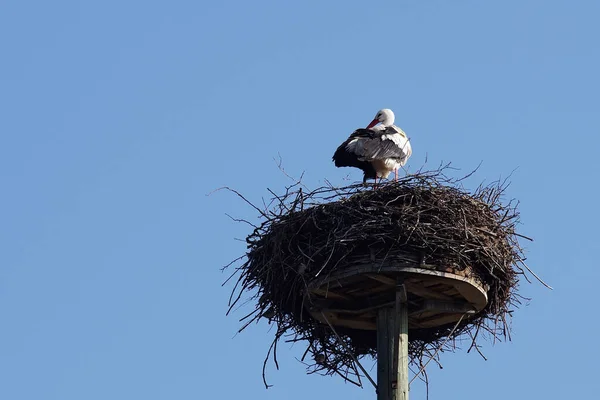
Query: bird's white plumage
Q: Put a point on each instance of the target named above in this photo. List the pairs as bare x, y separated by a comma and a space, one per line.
385, 117
401, 140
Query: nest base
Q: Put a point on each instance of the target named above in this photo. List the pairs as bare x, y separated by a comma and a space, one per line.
351, 298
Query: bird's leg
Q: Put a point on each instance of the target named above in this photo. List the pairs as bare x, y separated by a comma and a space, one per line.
396, 175
376, 183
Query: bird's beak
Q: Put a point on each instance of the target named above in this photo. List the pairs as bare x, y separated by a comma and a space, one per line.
373, 123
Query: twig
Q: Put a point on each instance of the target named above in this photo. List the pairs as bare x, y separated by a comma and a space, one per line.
438, 349
364, 371
536, 277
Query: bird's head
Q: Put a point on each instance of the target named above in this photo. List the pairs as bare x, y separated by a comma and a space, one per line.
385, 117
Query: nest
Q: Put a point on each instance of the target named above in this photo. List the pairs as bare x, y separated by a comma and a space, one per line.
306, 234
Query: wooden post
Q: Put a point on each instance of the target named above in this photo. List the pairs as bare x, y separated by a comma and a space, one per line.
385, 347
392, 349
402, 335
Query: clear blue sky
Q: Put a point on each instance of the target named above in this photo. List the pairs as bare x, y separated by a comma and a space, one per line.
118, 117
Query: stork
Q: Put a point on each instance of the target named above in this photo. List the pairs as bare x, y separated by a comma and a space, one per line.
378, 149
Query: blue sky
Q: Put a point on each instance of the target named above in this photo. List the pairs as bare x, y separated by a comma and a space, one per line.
118, 117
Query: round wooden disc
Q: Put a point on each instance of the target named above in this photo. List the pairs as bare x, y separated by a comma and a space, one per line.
351, 297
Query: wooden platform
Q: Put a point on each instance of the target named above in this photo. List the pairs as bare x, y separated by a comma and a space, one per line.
352, 297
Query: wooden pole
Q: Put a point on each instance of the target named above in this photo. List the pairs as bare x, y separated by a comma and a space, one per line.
402, 332
385, 346
392, 349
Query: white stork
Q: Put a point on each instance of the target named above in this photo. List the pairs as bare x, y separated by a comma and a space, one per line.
378, 150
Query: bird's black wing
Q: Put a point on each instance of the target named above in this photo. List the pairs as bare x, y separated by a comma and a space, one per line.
344, 156
368, 145
380, 148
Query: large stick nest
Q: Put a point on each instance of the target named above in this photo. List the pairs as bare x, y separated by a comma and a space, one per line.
304, 234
